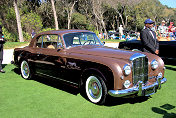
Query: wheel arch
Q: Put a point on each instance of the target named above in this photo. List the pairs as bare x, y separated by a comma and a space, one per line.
101, 70
19, 56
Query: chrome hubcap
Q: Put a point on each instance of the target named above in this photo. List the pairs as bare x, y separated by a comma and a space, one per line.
25, 69
94, 89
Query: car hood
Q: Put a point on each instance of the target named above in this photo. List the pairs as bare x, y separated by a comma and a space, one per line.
101, 51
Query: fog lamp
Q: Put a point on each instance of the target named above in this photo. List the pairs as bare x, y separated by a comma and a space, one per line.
127, 84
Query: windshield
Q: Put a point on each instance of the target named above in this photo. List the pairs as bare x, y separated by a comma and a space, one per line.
81, 38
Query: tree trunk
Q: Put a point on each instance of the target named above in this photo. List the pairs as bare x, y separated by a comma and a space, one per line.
117, 20
69, 20
69, 12
122, 19
104, 27
126, 22
18, 21
55, 16
113, 25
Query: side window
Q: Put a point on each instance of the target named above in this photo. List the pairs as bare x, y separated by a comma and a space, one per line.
49, 41
76, 40
39, 42
59, 43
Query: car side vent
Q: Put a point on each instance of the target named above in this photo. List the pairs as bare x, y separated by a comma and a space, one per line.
139, 68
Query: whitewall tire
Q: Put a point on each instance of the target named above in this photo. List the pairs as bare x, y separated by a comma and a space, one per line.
25, 70
96, 90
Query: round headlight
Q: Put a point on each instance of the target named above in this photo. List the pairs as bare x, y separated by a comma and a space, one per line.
154, 64
127, 69
127, 84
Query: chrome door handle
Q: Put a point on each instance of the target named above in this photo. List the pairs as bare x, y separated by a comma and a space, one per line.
38, 53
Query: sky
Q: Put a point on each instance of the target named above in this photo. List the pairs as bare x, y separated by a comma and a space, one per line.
169, 3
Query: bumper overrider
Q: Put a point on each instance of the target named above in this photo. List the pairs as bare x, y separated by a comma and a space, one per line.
139, 90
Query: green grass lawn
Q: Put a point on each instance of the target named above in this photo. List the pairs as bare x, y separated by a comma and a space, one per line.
10, 45
43, 98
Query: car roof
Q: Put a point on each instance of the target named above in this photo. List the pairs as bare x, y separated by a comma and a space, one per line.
64, 31
58, 32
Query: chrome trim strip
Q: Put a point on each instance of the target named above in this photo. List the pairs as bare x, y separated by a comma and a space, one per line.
135, 90
41, 62
136, 55
58, 79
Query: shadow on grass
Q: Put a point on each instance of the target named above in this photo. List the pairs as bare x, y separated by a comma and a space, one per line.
170, 62
16, 70
4, 65
53, 83
112, 101
162, 110
57, 84
170, 68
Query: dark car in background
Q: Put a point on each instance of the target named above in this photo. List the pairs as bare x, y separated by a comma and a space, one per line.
165, 47
115, 34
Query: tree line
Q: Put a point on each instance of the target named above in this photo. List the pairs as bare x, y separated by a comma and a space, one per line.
19, 17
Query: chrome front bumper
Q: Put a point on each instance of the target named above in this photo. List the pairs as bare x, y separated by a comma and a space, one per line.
139, 90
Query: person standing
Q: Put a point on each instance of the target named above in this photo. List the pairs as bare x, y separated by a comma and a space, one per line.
162, 29
148, 38
33, 33
120, 32
174, 32
170, 29
2, 41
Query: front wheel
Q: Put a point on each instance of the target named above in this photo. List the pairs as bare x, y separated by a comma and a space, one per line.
96, 89
25, 70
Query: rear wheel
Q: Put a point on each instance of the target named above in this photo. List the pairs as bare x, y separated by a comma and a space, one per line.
96, 89
25, 70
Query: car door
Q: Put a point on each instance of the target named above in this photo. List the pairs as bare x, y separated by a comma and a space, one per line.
50, 56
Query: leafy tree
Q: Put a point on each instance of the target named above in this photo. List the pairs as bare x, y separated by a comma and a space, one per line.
98, 11
69, 8
31, 21
79, 21
94, 15
46, 13
111, 20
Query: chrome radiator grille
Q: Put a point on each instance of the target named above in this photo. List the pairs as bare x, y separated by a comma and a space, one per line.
140, 69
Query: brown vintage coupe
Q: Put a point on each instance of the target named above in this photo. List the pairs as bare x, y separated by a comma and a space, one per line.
78, 58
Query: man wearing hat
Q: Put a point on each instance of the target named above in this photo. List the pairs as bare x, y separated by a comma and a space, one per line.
2, 41
148, 38
162, 29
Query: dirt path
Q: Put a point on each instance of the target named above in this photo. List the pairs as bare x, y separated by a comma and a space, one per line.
8, 55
